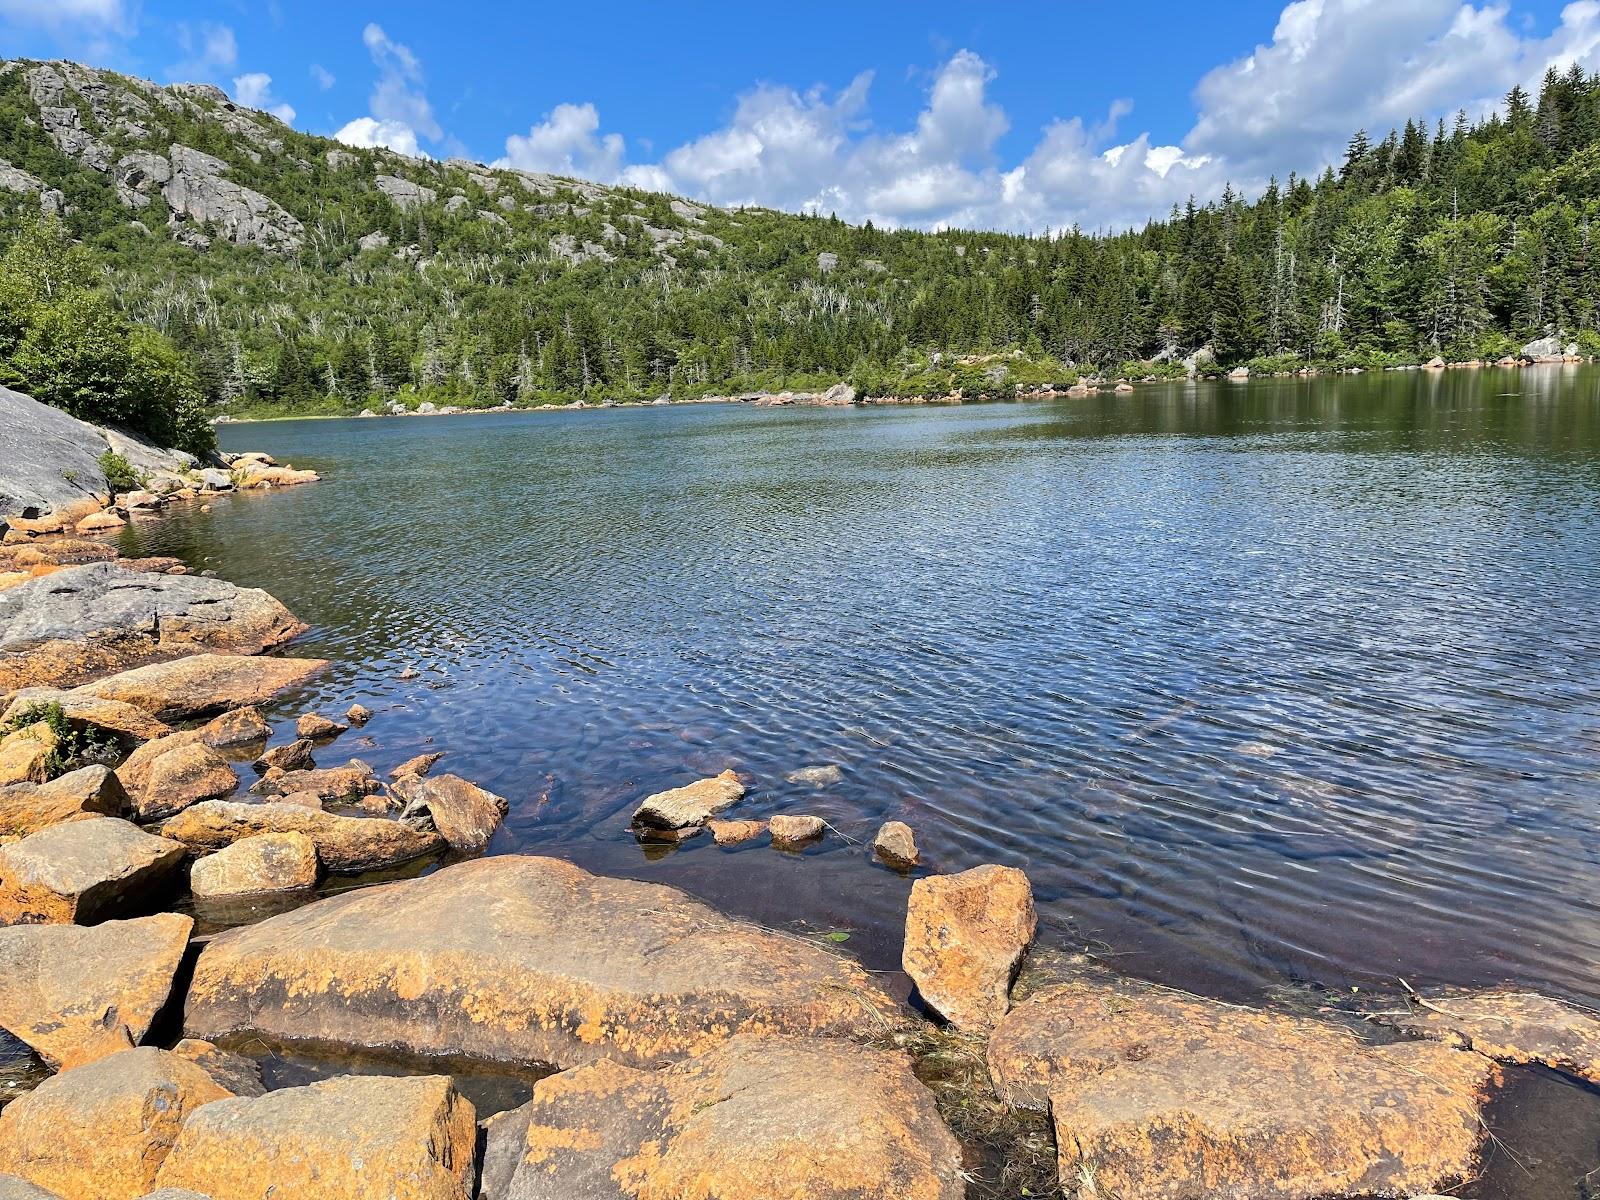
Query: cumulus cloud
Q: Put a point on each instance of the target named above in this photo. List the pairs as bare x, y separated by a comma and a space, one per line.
400, 112
254, 90
1331, 67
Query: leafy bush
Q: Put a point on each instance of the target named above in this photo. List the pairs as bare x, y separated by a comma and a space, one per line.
77, 744
119, 473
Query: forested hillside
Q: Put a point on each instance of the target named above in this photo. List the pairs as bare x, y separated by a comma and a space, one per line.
292, 273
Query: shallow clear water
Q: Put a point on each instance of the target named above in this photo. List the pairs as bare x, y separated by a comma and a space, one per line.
1297, 681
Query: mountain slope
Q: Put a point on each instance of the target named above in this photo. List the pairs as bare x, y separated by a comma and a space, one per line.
299, 274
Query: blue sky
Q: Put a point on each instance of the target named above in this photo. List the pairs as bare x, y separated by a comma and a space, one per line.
1017, 116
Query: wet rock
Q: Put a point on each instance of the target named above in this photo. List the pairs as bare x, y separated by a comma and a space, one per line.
174, 772
788, 831
26, 808
234, 1072
232, 730
465, 815
203, 684
692, 805
348, 783
100, 522
965, 937
317, 728
253, 866
420, 765
75, 994
525, 960
358, 714
344, 844
1159, 1094
295, 756
124, 720
734, 833
102, 1131
1511, 1027
405, 1139
896, 844
749, 1120
816, 777
82, 872
99, 617
27, 753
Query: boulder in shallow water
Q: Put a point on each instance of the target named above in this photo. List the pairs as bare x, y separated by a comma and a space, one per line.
1171, 1097
421, 764
295, 756
790, 831
735, 833
896, 845
465, 815
1510, 1027
102, 1131
83, 621
237, 729
525, 960
344, 844
817, 777
26, 808
401, 1139
751, 1120
82, 872
255, 866
349, 783
965, 938
75, 994
317, 728
693, 804
203, 684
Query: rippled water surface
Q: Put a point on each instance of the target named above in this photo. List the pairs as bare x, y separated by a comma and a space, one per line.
1293, 682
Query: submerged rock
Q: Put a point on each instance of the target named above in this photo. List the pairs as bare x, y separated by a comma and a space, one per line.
254, 866
965, 937
465, 815
525, 960
26, 808
203, 684
694, 804
74, 995
102, 1131
790, 831
896, 845
99, 617
402, 1139
82, 872
735, 833
751, 1120
1167, 1096
344, 844
1511, 1027
816, 777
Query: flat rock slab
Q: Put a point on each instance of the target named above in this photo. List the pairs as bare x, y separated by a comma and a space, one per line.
754, 1119
344, 844
82, 621
1167, 1096
526, 960
82, 872
203, 684
127, 722
401, 1139
694, 804
49, 461
465, 815
26, 808
102, 1131
75, 995
965, 938
1511, 1027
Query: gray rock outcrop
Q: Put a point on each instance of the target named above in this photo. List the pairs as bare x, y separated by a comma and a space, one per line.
49, 462
404, 194
197, 192
15, 180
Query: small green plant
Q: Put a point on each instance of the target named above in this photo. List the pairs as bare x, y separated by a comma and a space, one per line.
119, 473
77, 744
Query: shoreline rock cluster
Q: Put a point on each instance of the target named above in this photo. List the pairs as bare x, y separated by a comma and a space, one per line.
671, 1050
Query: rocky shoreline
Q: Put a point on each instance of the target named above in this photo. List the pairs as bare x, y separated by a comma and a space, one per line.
663, 1048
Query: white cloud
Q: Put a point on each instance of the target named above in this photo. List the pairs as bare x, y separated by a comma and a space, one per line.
208, 50
322, 76
254, 90
103, 14
1291, 104
400, 112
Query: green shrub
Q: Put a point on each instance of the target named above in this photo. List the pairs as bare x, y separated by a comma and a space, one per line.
77, 744
119, 473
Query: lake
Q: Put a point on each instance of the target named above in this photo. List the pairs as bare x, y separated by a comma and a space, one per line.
1286, 684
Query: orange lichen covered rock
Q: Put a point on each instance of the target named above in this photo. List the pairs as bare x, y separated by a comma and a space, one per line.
693, 804
26, 808
82, 872
25, 754
344, 844
1512, 1027
102, 1131
735, 833
171, 773
401, 1139
203, 684
779, 1119
75, 995
965, 937
127, 722
465, 815
255, 866
1167, 1096
525, 960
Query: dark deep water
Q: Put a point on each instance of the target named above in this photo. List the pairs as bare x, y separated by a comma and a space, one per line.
1295, 682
